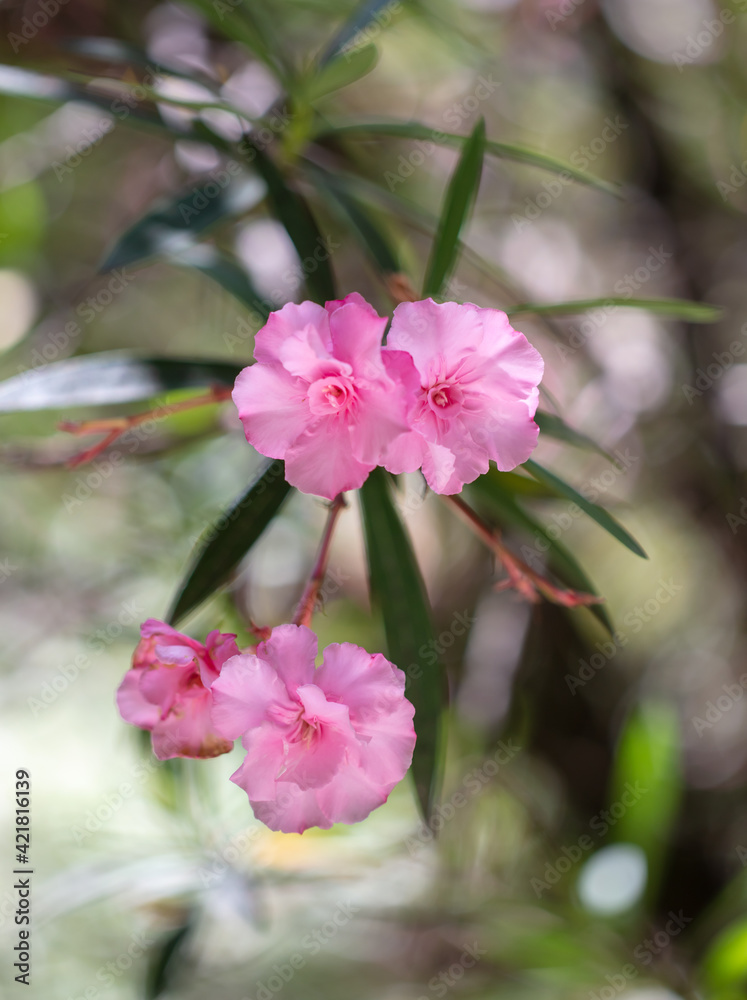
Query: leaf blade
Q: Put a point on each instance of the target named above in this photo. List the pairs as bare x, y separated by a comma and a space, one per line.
226, 543
603, 518
694, 312
292, 210
460, 197
109, 378
501, 150
397, 588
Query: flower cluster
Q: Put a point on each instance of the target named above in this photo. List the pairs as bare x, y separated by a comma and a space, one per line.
323, 744
454, 388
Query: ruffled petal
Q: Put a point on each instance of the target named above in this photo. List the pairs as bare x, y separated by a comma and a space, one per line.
133, 706
321, 460
305, 320
187, 730
272, 406
243, 693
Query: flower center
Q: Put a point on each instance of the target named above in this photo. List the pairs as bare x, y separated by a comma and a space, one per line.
331, 394
445, 398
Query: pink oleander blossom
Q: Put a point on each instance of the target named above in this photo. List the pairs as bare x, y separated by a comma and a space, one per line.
319, 396
168, 690
472, 384
323, 745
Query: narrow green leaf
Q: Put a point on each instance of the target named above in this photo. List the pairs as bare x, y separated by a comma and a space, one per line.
649, 760
358, 216
498, 494
398, 591
555, 427
226, 543
352, 33
162, 961
291, 209
104, 379
228, 273
460, 197
341, 72
501, 150
693, 312
599, 514
171, 227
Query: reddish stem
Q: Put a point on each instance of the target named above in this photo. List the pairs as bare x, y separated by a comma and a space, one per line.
309, 598
115, 427
526, 581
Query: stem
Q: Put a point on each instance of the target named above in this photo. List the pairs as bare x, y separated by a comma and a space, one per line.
309, 598
528, 582
114, 427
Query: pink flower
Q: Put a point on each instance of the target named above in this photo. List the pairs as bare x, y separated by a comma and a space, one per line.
472, 381
323, 745
319, 395
167, 690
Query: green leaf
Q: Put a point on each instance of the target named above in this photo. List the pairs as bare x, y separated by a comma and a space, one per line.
162, 961
648, 760
360, 18
502, 150
460, 197
359, 218
291, 209
104, 379
555, 427
599, 514
498, 493
228, 274
398, 591
341, 72
171, 227
226, 543
693, 312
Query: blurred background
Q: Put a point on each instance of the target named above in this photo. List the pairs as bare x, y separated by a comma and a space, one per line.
593, 821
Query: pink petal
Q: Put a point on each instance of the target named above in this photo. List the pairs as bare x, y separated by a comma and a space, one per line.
429, 331
291, 650
243, 693
367, 683
357, 331
308, 319
272, 407
161, 684
387, 744
187, 731
220, 646
292, 810
405, 453
265, 753
381, 420
351, 796
321, 461
133, 706
438, 468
